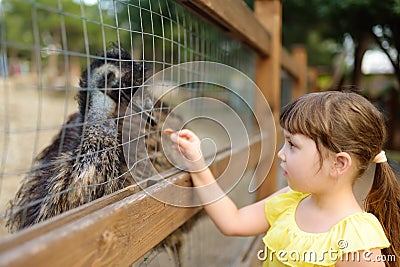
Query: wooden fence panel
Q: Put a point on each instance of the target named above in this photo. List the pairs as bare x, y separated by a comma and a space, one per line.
119, 233
233, 17
122, 227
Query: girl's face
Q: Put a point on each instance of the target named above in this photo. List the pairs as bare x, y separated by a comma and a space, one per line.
301, 163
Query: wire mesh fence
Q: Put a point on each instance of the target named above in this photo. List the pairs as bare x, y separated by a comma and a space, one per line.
68, 72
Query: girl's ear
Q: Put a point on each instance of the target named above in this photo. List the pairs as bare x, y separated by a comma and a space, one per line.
342, 163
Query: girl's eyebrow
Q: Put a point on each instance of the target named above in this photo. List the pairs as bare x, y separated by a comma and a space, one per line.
290, 136
286, 134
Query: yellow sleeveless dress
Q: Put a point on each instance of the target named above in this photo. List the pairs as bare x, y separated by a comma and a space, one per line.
287, 245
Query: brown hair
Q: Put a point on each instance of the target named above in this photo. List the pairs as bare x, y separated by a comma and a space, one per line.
347, 122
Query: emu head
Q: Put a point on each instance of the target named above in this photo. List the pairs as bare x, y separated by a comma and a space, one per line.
118, 76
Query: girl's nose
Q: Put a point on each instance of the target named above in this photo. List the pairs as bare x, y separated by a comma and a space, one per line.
281, 155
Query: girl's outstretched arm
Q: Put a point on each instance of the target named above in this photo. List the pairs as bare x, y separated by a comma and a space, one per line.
230, 220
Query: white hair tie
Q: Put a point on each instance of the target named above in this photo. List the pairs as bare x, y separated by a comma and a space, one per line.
381, 157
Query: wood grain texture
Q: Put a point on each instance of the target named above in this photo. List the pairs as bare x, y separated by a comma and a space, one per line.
234, 18
268, 79
289, 64
116, 230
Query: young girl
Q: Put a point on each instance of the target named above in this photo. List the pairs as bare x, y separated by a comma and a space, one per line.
330, 140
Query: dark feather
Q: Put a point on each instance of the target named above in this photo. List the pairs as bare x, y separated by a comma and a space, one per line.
85, 161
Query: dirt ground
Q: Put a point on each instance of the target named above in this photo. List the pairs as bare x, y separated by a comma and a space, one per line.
29, 118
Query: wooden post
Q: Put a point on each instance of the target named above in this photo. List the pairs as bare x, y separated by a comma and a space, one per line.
313, 76
300, 56
268, 69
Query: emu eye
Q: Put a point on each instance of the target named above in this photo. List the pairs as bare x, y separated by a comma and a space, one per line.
110, 76
111, 80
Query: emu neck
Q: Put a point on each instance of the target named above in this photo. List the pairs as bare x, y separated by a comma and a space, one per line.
101, 106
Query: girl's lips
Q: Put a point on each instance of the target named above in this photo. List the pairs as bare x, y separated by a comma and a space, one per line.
284, 171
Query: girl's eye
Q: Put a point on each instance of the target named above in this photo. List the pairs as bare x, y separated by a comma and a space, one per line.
291, 145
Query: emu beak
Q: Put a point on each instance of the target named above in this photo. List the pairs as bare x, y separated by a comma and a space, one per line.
149, 118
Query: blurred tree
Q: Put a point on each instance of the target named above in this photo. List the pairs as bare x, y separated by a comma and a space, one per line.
369, 23
300, 26
321, 25
48, 32
366, 21
54, 26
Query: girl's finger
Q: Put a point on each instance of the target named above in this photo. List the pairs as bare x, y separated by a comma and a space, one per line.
185, 133
168, 131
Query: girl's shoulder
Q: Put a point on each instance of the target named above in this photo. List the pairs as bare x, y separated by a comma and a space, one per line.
358, 231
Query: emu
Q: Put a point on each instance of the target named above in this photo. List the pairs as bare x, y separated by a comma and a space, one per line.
85, 160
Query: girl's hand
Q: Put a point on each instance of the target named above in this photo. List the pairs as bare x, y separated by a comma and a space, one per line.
188, 144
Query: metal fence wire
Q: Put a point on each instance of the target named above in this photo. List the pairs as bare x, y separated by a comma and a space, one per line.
68, 71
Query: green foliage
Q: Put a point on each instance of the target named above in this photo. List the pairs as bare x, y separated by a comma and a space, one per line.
48, 22
331, 20
158, 31
155, 28
396, 8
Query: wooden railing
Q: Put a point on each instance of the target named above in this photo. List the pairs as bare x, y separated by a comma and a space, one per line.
122, 227
101, 230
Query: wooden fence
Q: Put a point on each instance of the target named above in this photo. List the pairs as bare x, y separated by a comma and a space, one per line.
98, 232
